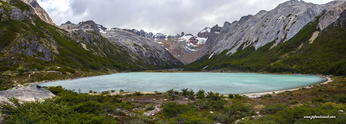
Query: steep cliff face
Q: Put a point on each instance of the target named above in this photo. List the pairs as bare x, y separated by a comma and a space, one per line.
318, 47
278, 25
40, 12
331, 14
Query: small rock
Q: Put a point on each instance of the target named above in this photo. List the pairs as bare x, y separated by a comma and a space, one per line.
211, 112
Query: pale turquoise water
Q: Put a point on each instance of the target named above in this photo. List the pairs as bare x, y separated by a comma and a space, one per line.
224, 83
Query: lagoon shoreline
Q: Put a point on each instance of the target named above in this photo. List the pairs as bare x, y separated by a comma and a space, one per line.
250, 95
259, 94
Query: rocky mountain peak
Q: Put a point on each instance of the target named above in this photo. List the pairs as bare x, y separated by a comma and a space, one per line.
204, 33
40, 12
68, 22
89, 25
216, 29
245, 18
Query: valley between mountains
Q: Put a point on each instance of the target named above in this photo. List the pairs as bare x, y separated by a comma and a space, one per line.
294, 37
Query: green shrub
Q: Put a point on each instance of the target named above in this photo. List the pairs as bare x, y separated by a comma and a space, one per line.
121, 91
318, 99
188, 93
237, 96
294, 102
238, 110
171, 109
222, 118
137, 94
214, 96
88, 107
69, 107
340, 98
37, 66
104, 92
202, 103
200, 94
230, 96
56, 89
271, 109
218, 104
266, 96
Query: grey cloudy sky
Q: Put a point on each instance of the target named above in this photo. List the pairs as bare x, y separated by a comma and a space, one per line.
164, 16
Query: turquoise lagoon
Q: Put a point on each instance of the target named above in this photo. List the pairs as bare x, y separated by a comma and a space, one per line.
224, 83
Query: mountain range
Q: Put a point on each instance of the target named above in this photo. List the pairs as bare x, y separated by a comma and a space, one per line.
294, 37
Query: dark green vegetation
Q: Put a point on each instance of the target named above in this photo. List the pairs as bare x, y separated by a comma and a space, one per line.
286, 107
326, 55
68, 107
32, 50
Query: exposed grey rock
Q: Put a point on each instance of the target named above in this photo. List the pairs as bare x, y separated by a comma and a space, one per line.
30, 46
18, 14
139, 44
145, 49
278, 25
333, 13
216, 29
341, 21
84, 26
40, 12
26, 94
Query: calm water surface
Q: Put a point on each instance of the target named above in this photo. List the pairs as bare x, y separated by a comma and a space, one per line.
224, 83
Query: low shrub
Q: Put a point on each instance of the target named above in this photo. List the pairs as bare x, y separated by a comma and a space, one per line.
137, 94
200, 94
266, 96
230, 96
272, 109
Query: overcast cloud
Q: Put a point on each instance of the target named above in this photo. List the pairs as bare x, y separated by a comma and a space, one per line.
164, 16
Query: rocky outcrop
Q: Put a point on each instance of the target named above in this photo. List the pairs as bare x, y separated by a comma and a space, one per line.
332, 14
26, 94
204, 33
40, 12
16, 13
84, 26
30, 46
341, 21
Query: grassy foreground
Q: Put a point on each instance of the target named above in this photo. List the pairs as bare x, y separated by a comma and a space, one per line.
188, 107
